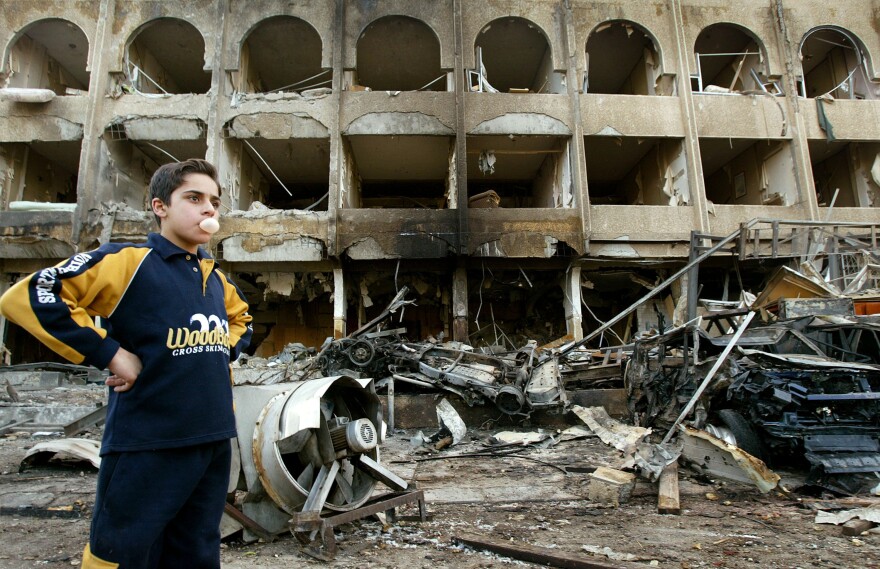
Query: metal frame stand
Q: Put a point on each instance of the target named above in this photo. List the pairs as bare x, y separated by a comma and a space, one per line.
307, 526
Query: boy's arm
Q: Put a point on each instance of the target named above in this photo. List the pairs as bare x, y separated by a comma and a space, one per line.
56, 304
240, 329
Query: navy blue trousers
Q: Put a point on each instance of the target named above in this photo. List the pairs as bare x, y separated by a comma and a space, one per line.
161, 508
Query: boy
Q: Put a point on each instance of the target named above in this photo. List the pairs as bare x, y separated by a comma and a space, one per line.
175, 323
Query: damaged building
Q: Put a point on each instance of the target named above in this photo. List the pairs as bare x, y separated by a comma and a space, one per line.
527, 170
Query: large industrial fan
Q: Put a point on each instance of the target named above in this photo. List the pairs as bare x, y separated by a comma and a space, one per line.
309, 446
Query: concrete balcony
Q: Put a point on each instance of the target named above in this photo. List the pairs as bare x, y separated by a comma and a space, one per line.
853, 214
60, 119
322, 107
519, 114
273, 236
741, 116
851, 120
728, 218
134, 105
632, 115
369, 234
404, 113
523, 232
36, 234
641, 223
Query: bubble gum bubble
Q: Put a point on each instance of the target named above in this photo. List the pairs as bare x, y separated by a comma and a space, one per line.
210, 225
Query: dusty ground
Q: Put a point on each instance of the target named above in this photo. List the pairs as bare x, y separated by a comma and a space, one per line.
526, 500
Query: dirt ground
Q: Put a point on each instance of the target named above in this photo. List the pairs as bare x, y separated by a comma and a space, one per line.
537, 498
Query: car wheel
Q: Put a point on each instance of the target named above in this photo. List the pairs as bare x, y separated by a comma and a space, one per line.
745, 435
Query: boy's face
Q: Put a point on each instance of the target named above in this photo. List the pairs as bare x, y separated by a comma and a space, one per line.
196, 199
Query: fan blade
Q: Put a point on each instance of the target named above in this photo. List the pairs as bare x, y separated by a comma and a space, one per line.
341, 409
306, 477
321, 488
325, 443
310, 454
380, 473
293, 443
344, 489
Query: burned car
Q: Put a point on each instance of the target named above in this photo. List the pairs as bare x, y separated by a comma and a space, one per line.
514, 381
789, 402
826, 411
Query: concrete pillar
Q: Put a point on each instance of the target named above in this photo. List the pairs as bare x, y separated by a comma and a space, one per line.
214, 137
339, 307
688, 110
571, 294
803, 171
335, 182
574, 80
90, 154
463, 240
459, 305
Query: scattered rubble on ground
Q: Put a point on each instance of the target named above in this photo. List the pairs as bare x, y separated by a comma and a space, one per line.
756, 425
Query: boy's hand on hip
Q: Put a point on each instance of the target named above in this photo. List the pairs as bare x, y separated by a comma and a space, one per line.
125, 367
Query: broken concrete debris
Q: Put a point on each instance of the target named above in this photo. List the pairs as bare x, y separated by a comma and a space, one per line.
855, 522
610, 486
611, 432
801, 383
450, 421
711, 455
78, 449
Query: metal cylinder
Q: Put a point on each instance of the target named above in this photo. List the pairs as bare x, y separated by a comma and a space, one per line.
510, 399
292, 440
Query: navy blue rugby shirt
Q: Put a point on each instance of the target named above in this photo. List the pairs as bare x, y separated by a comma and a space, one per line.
175, 310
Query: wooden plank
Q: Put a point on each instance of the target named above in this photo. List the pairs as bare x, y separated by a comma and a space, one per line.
542, 555
667, 491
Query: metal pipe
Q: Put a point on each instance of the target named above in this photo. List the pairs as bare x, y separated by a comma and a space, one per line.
727, 349
656, 290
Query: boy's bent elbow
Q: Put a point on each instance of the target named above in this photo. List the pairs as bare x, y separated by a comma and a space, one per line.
11, 302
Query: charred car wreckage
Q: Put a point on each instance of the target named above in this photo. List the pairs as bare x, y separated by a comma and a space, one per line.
798, 391
516, 382
796, 388
790, 395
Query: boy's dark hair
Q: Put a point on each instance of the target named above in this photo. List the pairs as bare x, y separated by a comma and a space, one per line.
170, 176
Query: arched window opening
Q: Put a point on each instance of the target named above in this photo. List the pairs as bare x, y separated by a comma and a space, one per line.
729, 59
282, 53
623, 60
513, 56
834, 65
50, 54
397, 53
166, 57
